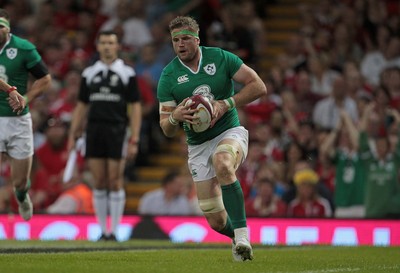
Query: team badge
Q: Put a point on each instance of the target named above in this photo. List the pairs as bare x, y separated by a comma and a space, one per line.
11, 53
114, 80
210, 69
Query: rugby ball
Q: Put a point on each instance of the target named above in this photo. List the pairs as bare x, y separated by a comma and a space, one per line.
204, 113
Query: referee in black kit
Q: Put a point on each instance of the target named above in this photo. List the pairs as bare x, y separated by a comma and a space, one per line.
108, 89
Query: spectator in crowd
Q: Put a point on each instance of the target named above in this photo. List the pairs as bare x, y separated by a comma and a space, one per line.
382, 187
67, 97
326, 111
129, 23
308, 203
266, 203
247, 171
375, 62
321, 75
341, 146
344, 47
76, 197
148, 67
50, 161
390, 80
170, 199
305, 98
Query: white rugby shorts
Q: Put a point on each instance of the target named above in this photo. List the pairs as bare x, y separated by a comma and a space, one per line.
16, 136
200, 156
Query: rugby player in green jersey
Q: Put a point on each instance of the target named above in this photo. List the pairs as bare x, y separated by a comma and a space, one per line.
215, 154
18, 59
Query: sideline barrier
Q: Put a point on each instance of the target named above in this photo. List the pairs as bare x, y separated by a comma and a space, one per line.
196, 229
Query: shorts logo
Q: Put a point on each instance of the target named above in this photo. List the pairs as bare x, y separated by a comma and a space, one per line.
210, 69
183, 79
12, 53
194, 173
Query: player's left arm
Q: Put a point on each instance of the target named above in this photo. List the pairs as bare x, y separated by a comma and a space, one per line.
135, 122
42, 82
253, 88
135, 117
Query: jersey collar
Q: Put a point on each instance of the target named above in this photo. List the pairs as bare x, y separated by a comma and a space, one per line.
200, 62
6, 44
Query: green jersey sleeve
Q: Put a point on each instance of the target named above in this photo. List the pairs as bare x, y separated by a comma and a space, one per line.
233, 62
164, 87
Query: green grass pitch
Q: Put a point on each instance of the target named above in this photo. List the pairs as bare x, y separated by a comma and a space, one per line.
139, 256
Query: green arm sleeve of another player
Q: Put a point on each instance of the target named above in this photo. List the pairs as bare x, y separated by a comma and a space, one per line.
32, 58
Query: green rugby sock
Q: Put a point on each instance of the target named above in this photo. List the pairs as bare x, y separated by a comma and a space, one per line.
234, 204
228, 229
22, 194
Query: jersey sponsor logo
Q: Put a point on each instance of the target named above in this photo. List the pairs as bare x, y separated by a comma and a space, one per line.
204, 90
12, 53
183, 79
210, 69
104, 89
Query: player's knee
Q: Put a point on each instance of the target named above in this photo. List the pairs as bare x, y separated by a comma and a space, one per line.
212, 205
224, 159
224, 170
20, 183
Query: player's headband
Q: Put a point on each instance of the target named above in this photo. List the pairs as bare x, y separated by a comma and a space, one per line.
4, 22
184, 32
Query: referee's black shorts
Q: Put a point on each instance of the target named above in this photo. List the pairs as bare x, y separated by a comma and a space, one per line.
105, 140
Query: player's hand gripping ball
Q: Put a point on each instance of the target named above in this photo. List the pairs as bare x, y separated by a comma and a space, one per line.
203, 115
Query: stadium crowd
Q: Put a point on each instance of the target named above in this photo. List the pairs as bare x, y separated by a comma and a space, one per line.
323, 142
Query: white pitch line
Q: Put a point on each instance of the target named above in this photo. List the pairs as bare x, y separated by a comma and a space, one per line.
334, 270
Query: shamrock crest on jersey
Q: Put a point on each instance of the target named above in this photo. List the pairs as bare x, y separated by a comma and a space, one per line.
204, 90
11, 53
210, 69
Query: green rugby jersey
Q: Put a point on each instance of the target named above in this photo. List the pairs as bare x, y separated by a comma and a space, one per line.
382, 189
16, 57
349, 179
213, 80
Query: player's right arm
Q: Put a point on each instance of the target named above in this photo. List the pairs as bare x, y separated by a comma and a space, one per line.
15, 99
171, 115
168, 122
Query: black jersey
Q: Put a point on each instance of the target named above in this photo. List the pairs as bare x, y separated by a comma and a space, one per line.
108, 90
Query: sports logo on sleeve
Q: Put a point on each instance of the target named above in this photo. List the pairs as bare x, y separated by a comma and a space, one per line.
11, 53
210, 69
